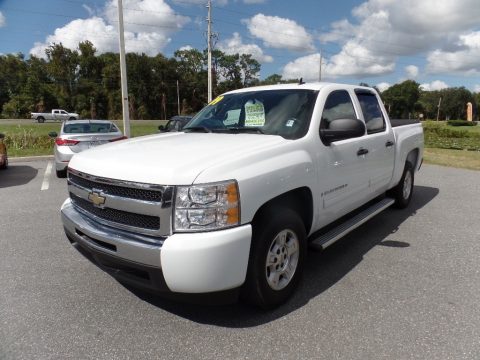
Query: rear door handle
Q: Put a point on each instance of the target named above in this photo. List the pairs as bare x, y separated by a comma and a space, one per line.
362, 152
389, 143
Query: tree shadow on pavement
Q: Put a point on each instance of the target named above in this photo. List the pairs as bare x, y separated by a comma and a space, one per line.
17, 175
322, 271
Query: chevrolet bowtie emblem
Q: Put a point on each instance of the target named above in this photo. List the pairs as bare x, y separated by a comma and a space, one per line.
96, 198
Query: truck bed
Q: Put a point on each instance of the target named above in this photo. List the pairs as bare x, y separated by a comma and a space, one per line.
401, 122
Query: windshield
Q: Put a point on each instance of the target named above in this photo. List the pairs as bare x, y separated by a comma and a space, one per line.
285, 113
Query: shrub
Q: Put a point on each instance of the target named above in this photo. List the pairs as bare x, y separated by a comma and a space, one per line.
438, 136
28, 140
461, 123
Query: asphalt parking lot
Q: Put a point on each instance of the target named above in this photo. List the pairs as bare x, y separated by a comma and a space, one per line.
406, 285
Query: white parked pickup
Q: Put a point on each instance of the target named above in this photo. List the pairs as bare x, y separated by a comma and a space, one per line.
56, 114
231, 203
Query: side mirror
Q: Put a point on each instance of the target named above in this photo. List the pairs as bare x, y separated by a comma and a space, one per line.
52, 134
2, 136
161, 127
342, 129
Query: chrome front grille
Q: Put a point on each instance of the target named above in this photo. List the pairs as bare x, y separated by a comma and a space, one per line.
132, 193
136, 207
119, 216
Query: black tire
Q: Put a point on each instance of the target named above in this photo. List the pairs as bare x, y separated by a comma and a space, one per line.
402, 193
72, 118
62, 173
266, 239
4, 166
41, 119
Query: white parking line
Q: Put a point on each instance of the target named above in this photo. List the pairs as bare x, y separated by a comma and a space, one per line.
46, 176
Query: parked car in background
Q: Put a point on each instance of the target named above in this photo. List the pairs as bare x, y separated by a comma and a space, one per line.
79, 135
56, 114
3, 153
176, 123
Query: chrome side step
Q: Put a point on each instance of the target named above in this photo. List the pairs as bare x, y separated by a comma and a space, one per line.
327, 239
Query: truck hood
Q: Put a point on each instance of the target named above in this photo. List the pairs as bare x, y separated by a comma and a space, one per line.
172, 158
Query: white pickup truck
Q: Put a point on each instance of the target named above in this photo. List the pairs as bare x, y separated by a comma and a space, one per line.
230, 204
56, 114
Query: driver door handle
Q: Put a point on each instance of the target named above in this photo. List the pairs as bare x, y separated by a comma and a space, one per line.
389, 143
362, 151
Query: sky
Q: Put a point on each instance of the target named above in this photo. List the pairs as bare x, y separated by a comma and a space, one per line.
379, 42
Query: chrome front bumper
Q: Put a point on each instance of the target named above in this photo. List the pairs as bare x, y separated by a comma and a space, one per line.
127, 246
197, 263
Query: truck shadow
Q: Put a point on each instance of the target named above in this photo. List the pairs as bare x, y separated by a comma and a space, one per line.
322, 271
17, 175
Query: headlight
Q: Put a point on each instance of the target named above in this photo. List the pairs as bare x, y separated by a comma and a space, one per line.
207, 207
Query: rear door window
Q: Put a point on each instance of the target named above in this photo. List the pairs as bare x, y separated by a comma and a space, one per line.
372, 113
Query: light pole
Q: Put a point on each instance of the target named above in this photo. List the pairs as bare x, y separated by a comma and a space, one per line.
209, 50
123, 72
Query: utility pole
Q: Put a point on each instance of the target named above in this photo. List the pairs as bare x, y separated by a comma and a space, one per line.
123, 72
178, 98
209, 49
320, 68
438, 106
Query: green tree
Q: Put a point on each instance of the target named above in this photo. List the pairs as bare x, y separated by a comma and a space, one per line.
62, 67
401, 100
13, 77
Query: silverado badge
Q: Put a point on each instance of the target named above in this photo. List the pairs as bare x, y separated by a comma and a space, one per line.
96, 198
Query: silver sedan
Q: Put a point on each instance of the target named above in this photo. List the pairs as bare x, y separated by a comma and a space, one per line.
78, 135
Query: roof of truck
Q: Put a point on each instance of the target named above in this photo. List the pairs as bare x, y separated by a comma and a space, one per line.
308, 86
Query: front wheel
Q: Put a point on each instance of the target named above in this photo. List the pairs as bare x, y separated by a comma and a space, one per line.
402, 193
5, 164
277, 257
61, 173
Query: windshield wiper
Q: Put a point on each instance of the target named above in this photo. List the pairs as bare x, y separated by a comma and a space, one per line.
197, 129
245, 130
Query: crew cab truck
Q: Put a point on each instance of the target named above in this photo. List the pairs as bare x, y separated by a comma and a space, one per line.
56, 114
258, 176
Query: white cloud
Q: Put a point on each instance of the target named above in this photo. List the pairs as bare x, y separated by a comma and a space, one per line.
235, 45
350, 62
200, 2
411, 71
148, 26
357, 60
463, 61
3, 21
186, 48
280, 33
476, 88
383, 86
434, 85
387, 29
306, 67
254, 1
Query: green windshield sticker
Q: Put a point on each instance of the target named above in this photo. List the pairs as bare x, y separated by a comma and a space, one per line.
254, 114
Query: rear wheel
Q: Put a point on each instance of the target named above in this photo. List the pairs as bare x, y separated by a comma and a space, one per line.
277, 257
72, 118
402, 193
41, 119
62, 173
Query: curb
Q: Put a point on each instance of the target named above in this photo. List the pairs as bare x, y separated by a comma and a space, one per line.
12, 160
